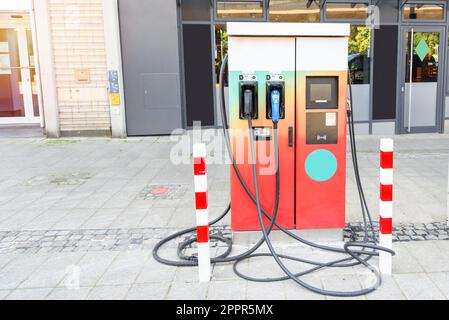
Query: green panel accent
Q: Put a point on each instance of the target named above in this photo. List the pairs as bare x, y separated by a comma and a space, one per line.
321, 165
422, 49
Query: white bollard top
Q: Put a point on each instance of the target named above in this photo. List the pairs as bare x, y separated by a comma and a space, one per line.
386, 145
199, 150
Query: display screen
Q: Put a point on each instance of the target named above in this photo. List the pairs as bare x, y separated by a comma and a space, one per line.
321, 92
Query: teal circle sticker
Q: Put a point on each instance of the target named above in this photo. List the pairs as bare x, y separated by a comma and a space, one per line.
321, 165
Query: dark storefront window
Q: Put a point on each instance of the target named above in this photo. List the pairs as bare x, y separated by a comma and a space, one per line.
420, 11
346, 11
385, 72
425, 57
199, 81
359, 62
196, 10
294, 11
359, 54
221, 48
239, 10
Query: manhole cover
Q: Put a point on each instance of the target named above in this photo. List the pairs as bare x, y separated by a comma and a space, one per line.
159, 191
171, 192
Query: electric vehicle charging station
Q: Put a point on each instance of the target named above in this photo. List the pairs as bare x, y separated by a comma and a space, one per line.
288, 101
297, 74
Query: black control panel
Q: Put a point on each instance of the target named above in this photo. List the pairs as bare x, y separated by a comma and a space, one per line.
321, 93
322, 128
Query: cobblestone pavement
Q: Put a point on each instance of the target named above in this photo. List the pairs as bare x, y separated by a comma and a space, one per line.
79, 218
49, 241
403, 232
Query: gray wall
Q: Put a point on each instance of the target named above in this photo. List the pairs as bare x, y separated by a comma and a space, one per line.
388, 11
151, 66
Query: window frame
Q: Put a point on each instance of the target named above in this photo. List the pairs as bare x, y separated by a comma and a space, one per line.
326, 2
218, 20
320, 7
403, 20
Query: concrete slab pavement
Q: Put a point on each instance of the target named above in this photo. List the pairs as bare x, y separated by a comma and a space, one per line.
78, 220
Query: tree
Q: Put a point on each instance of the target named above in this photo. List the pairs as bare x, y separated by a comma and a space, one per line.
359, 39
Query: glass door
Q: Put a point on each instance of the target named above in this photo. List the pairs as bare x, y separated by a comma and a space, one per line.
18, 84
421, 88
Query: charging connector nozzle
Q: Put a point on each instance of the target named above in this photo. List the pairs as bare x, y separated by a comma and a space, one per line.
248, 103
275, 105
248, 100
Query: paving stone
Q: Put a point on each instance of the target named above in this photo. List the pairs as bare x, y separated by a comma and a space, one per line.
4, 294
227, 290
29, 294
441, 280
51, 272
418, 287
108, 293
388, 290
155, 272
404, 261
187, 291
265, 291
6, 258
19, 269
345, 283
153, 291
429, 256
69, 294
293, 291
125, 268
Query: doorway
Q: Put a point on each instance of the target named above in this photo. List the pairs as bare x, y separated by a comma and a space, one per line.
421, 80
19, 103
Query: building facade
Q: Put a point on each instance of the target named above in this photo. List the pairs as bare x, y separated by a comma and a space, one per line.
138, 67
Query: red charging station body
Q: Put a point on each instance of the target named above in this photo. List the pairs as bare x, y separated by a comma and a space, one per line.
308, 63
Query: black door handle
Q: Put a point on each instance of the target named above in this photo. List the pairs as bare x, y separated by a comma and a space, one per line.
290, 136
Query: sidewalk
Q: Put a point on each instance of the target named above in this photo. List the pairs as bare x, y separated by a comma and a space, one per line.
97, 207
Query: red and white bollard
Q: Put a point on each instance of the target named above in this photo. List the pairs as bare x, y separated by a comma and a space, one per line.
386, 205
202, 215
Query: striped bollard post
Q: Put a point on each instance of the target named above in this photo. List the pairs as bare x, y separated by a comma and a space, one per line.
386, 205
202, 216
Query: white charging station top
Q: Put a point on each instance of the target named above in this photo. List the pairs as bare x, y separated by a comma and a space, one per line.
288, 29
